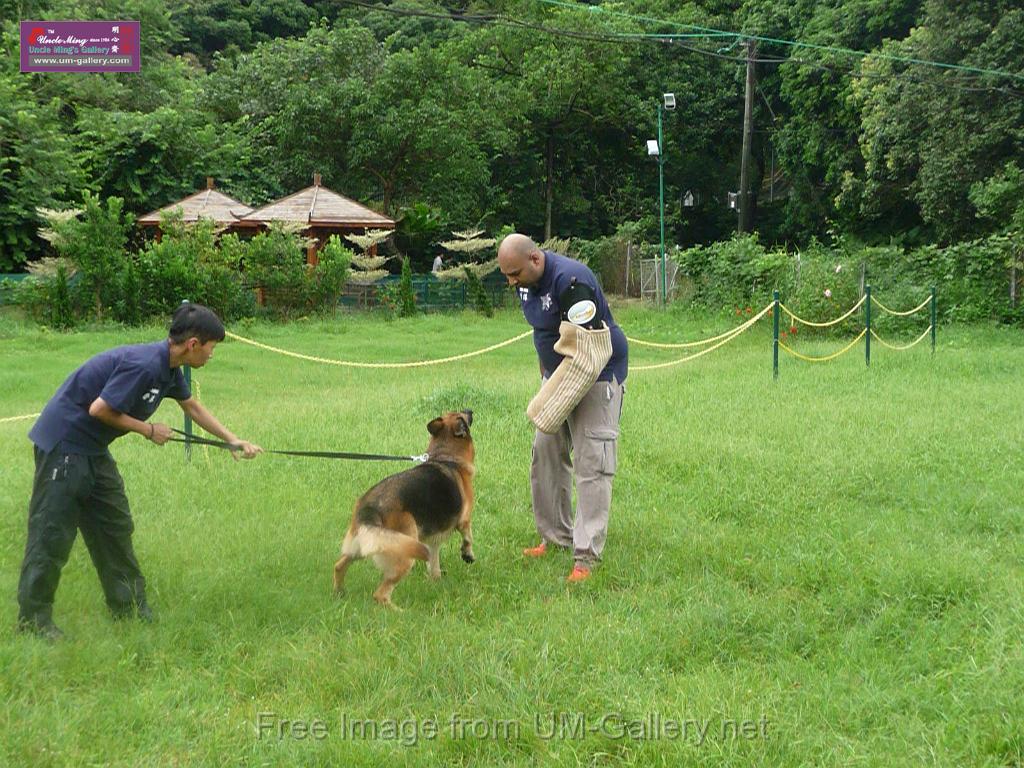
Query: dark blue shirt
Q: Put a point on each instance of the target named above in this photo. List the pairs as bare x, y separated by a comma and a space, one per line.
132, 379
541, 309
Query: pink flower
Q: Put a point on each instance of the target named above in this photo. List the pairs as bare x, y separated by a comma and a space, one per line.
828, 293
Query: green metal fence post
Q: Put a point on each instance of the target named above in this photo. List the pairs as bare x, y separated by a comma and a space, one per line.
934, 308
775, 336
867, 325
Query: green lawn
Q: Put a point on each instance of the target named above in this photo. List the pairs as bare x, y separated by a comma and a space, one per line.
825, 569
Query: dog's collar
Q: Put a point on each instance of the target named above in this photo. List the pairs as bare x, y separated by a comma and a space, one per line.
445, 459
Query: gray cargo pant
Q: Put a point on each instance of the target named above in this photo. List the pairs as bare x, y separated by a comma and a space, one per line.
590, 434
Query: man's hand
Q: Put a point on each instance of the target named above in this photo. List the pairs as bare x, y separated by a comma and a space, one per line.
160, 433
245, 450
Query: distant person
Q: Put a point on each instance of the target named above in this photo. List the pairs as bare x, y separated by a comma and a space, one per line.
77, 485
438, 264
554, 289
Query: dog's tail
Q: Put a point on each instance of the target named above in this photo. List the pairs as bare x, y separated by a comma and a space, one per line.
372, 540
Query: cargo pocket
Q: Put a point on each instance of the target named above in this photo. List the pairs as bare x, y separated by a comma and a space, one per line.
604, 442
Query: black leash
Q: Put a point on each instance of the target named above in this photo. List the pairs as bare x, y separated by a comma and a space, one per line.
197, 440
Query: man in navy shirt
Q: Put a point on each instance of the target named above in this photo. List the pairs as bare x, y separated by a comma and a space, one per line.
77, 484
550, 286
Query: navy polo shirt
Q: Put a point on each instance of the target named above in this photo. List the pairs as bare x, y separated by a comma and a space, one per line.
132, 379
540, 307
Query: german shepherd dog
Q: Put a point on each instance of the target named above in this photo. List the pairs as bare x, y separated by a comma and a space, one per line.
408, 516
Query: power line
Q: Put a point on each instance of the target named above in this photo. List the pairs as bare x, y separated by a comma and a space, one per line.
675, 40
791, 43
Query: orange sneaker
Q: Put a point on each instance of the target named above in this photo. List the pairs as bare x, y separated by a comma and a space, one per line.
579, 573
537, 551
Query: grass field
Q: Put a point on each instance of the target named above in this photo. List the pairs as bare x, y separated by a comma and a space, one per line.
820, 570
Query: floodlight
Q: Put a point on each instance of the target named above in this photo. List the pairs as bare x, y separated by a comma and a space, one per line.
670, 100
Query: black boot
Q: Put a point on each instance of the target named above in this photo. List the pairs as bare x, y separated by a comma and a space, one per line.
146, 613
40, 625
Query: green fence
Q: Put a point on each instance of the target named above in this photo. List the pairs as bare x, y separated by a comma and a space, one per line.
431, 293
7, 283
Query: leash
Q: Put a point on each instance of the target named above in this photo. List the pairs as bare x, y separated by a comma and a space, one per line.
196, 440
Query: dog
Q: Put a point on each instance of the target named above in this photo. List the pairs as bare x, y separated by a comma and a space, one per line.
408, 516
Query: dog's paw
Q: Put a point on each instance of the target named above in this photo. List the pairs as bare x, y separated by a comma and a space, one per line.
468, 557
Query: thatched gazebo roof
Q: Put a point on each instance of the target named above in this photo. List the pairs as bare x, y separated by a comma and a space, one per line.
318, 206
206, 204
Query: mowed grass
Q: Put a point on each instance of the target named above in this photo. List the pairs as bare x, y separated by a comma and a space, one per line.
825, 569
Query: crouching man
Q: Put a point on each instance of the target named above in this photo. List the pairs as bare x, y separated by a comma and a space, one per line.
77, 485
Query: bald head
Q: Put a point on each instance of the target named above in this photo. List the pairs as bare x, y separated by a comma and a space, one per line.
520, 260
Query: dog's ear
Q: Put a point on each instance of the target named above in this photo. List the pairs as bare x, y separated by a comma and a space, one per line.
469, 416
435, 426
461, 426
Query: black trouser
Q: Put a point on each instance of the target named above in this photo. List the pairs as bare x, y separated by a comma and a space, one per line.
70, 492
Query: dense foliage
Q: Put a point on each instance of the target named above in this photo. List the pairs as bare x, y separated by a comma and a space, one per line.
535, 114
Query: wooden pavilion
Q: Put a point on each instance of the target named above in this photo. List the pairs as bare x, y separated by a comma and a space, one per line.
321, 211
205, 204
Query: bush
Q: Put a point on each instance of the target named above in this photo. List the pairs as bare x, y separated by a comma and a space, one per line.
331, 273
406, 295
275, 263
95, 244
821, 283
736, 272
481, 299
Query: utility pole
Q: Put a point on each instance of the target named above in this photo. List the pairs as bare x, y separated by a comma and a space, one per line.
746, 219
661, 201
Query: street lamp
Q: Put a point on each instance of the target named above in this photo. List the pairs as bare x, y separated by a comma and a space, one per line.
656, 148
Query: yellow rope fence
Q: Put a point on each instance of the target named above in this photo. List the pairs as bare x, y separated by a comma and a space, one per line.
731, 335
18, 418
352, 364
716, 341
884, 308
838, 320
689, 344
897, 347
833, 356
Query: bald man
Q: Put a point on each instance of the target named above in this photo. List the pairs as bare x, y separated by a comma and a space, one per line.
549, 286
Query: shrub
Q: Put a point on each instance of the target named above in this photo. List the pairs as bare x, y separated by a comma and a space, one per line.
481, 299
406, 295
94, 243
331, 273
275, 262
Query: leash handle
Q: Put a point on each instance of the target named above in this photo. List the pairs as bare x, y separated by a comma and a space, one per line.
197, 440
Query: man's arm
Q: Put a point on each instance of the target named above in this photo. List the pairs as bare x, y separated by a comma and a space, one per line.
208, 421
101, 411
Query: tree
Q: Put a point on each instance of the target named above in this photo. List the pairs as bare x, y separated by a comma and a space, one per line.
1000, 200
423, 131
926, 135
94, 243
38, 169
466, 246
368, 264
296, 99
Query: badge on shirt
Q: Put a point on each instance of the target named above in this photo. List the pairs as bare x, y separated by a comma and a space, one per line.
581, 312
